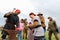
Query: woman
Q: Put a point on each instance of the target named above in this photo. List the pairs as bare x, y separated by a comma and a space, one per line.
20, 29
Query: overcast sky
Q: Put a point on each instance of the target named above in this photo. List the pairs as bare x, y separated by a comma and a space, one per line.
47, 7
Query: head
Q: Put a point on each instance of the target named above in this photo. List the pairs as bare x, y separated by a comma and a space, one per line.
35, 22
50, 18
17, 12
25, 21
22, 20
32, 15
39, 14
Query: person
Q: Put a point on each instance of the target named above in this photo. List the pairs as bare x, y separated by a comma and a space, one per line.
12, 20
20, 29
38, 31
40, 15
33, 17
25, 29
30, 33
52, 28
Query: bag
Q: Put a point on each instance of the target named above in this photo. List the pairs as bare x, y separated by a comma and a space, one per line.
20, 27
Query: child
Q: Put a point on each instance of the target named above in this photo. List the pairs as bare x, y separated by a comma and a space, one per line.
30, 33
38, 31
20, 29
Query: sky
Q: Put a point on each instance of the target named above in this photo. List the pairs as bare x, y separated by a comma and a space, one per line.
47, 7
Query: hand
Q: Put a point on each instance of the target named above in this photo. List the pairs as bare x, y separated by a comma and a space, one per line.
27, 25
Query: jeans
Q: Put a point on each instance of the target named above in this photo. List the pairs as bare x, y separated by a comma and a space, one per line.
44, 33
20, 35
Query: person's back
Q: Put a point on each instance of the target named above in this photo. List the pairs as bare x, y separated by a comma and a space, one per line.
39, 31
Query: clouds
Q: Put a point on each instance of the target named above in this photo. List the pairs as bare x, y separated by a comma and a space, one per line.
47, 7
24, 5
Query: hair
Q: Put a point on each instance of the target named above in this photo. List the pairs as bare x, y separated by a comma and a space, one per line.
49, 17
22, 20
35, 20
39, 14
32, 14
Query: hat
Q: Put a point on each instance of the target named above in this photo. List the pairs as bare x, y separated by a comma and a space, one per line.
18, 11
39, 14
32, 14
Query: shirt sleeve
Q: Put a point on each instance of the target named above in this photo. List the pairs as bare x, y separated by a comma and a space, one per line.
17, 22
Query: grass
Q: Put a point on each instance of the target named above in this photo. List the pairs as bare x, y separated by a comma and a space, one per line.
53, 38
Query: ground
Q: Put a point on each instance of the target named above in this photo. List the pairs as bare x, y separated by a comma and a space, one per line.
53, 38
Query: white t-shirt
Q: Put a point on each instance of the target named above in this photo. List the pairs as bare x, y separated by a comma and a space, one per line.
38, 31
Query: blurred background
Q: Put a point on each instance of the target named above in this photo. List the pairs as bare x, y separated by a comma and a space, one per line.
46, 7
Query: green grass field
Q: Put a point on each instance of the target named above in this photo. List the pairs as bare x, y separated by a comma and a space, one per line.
53, 38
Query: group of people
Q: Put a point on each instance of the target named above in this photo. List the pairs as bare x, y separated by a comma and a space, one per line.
34, 30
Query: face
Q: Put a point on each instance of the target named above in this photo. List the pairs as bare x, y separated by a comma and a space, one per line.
17, 13
31, 16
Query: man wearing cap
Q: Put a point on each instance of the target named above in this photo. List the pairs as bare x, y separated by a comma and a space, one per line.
33, 17
40, 15
52, 28
12, 20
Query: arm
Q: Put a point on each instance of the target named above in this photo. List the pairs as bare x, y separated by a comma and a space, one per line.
42, 20
31, 26
7, 14
17, 23
48, 27
55, 24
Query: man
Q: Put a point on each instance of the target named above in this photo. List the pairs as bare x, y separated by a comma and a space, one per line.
25, 29
33, 17
52, 28
12, 20
42, 22
38, 31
